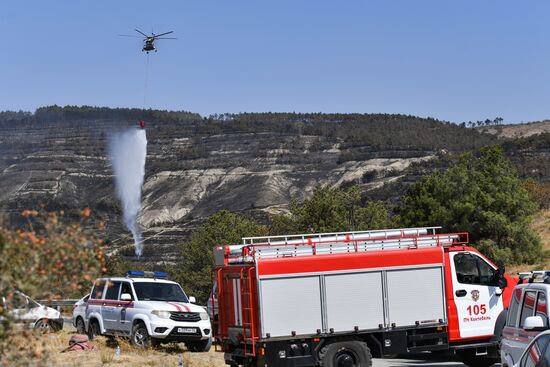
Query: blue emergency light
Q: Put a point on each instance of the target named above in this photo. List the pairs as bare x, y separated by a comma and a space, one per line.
150, 274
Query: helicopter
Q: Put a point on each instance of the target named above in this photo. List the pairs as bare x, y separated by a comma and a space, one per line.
149, 40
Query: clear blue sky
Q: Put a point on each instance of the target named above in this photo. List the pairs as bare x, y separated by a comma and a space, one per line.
454, 60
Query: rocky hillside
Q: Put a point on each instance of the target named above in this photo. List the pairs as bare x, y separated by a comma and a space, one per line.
255, 163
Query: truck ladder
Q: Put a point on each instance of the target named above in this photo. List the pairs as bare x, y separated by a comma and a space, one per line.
217, 327
345, 242
248, 321
349, 245
254, 248
337, 236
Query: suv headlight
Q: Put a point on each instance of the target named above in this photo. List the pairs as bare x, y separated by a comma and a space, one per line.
161, 314
204, 315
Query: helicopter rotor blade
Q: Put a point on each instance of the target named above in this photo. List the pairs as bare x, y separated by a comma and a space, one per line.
166, 38
163, 34
140, 32
128, 35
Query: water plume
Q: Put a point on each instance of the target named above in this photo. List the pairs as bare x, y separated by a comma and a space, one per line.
127, 151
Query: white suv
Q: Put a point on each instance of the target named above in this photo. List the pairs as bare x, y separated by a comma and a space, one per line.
149, 310
527, 315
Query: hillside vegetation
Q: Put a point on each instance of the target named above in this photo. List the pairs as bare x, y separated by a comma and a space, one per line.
380, 131
255, 163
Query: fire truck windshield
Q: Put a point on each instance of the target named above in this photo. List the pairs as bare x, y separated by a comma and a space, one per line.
146, 291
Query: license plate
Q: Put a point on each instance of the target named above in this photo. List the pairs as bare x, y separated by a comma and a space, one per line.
186, 330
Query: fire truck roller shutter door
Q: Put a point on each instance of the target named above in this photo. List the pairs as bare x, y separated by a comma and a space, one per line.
291, 304
416, 295
354, 300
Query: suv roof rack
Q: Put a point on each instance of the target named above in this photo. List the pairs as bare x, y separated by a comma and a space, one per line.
535, 276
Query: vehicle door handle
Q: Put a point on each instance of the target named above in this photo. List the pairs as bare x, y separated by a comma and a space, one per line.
461, 293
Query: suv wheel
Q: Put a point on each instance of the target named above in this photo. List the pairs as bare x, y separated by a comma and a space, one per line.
93, 329
80, 327
43, 325
141, 337
199, 346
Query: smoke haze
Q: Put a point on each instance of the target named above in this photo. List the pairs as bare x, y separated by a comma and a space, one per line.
128, 150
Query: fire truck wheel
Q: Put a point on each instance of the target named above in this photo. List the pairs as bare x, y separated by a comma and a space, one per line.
200, 346
469, 358
346, 354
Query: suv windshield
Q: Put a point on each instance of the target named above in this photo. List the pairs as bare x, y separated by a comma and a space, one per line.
149, 291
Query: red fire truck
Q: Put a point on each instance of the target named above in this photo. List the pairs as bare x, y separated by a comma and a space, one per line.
338, 299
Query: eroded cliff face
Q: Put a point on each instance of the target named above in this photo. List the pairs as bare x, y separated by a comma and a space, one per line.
64, 165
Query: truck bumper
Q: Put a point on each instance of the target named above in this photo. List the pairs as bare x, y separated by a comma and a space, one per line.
181, 331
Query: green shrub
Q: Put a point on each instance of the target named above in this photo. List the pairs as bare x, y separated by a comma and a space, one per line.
483, 195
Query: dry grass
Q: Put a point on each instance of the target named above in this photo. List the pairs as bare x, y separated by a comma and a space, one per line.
50, 346
541, 224
518, 130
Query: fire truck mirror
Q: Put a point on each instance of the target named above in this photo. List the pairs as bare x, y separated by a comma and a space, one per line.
501, 268
499, 279
502, 282
192, 299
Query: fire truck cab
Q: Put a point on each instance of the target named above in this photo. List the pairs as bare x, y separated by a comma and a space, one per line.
337, 299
